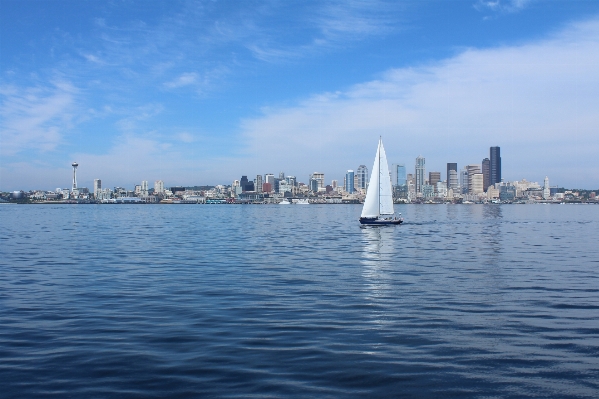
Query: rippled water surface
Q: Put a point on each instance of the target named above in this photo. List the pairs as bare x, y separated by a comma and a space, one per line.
296, 301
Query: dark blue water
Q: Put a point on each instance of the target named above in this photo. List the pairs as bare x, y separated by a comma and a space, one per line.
298, 301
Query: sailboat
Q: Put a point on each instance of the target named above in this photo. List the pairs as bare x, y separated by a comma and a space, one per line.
378, 206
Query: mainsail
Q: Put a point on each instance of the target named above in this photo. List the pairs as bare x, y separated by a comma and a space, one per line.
379, 198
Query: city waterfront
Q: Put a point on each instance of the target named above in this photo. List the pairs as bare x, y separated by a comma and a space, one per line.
295, 301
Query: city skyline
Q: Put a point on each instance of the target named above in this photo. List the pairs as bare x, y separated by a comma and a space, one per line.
202, 92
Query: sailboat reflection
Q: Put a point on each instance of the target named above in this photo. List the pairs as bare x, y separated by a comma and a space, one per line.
377, 259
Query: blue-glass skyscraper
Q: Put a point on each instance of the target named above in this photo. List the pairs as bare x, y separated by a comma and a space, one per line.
398, 174
349, 181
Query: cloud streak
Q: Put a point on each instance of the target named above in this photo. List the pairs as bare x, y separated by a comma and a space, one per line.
35, 118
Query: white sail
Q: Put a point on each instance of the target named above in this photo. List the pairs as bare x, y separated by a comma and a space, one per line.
371, 203
385, 193
379, 198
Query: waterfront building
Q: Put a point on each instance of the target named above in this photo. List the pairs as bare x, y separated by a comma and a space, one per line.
158, 187
451, 166
285, 187
486, 166
349, 181
420, 169
258, 183
434, 178
362, 177
546, 189
494, 166
97, 187
428, 191
441, 189
266, 187
137, 189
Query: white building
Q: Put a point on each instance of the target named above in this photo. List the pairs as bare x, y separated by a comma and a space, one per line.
97, 187
546, 190
158, 187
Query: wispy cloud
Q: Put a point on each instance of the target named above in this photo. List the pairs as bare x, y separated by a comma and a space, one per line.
37, 117
502, 6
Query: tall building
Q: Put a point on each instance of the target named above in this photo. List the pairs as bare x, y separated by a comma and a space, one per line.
452, 180
473, 170
319, 177
269, 178
486, 172
420, 169
349, 181
398, 174
144, 188
464, 180
258, 183
158, 187
494, 166
334, 184
97, 187
313, 185
451, 166
434, 178
362, 175
546, 189
281, 175
476, 184
243, 183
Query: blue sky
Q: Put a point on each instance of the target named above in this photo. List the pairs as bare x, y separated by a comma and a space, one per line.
203, 92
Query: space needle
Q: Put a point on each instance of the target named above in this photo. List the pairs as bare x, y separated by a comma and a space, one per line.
75, 164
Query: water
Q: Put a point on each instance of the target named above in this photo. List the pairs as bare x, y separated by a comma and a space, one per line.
296, 301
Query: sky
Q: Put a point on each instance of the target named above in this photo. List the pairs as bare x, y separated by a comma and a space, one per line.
203, 92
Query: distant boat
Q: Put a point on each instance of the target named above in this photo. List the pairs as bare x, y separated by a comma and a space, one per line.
302, 201
378, 206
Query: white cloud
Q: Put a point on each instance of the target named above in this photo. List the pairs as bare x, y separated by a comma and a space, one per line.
537, 101
35, 118
185, 79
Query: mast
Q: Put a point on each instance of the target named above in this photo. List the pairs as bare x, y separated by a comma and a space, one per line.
379, 188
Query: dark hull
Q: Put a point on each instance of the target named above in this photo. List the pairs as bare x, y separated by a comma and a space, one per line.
380, 222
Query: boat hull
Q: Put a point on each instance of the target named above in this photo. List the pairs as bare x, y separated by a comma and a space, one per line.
380, 222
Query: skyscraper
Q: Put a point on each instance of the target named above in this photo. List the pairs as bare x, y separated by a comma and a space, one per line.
258, 184
473, 170
420, 168
349, 181
158, 187
451, 166
434, 178
494, 166
486, 173
546, 189
144, 188
398, 174
362, 175
97, 187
